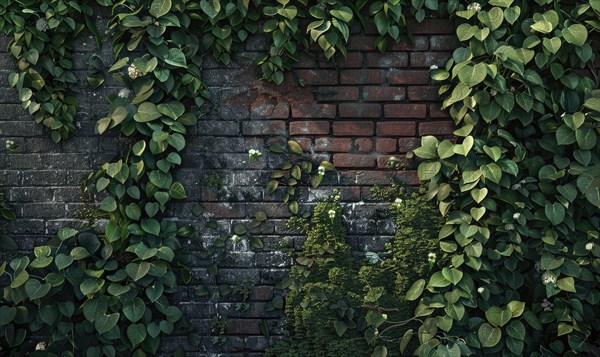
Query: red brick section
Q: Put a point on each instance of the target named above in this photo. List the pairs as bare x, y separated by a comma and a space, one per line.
396, 128
309, 128
333, 144
353, 128
353, 160
416, 111
313, 111
360, 110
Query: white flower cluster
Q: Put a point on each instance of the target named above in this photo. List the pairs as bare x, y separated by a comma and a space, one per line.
509, 227
516, 215
236, 239
431, 258
538, 266
480, 289
10, 145
124, 93
254, 154
547, 305
42, 24
41, 346
321, 170
589, 246
474, 6
331, 214
517, 186
548, 278
433, 66
133, 72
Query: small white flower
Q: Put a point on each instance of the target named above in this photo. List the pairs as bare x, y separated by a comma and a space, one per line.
433, 66
474, 6
548, 278
547, 305
480, 289
10, 145
538, 266
522, 182
516, 186
236, 239
398, 201
133, 72
563, 115
331, 214
509, 227
431, 257
42, 24
254, 154
516, 215
493, 92
321, 170
589, 246
124, 93
41, 346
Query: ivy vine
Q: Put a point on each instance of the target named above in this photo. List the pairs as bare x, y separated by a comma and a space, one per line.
520, 190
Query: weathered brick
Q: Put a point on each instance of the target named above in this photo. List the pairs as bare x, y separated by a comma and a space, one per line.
408, 77
362, 76
262, 110
364, 144
436, 128
383, 94
396, 128
428, 59
387, 60
405, 110
338, 93
423, 93
263, 127
435, 111
385, 145
309, 128
408, 144
353, 128
353, 60
313, 111
361, 43
243, 327
431, 27
359, 110
317, 77
353, 160
444, 43
333, 144
420, 43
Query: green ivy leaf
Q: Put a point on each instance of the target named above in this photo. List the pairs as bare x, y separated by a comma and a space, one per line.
136, 333
575, 34
176, 58
105, 323
146, 112
555, 213
134, 309
177, 191
137, 271
36, 290
489, 336
415, 290
340, 327
159, 8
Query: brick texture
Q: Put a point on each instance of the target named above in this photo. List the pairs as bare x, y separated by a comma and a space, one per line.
357, 113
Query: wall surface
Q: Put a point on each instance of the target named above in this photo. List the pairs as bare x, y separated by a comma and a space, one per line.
357, 113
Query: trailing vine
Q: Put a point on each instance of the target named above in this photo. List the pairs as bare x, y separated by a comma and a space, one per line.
520, 192
520, 189
43, 37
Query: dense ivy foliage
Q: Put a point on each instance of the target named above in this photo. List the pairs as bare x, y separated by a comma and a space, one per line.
338, 305
520, 274
43, 34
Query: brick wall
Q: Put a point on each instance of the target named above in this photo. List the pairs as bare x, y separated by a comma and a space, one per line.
357, 113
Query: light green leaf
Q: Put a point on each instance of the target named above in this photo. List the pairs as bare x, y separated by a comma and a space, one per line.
575, 34
428, 170
159, 8
489, 336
